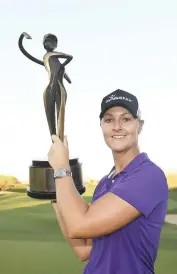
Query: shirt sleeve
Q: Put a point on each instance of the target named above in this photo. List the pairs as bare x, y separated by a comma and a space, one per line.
142, 190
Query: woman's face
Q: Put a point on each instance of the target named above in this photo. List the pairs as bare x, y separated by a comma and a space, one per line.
120, 129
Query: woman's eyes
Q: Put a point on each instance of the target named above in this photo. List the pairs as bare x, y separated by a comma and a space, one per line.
125, 119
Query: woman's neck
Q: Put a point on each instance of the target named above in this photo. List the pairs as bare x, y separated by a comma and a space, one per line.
122, 159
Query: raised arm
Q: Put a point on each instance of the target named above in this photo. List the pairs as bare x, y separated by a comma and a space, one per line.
29, 56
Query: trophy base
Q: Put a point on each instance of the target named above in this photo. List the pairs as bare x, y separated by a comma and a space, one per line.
41, 195
41, 179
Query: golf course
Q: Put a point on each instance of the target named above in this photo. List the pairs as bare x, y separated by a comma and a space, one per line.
31, 241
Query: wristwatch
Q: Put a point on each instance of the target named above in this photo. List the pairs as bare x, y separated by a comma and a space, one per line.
61, 172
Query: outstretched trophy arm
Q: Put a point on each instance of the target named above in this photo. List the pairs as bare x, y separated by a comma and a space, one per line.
29, 56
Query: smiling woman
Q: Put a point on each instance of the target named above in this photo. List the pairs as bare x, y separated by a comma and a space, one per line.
119, 232
120, 129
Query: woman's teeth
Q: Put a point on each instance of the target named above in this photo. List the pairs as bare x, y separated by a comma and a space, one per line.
118, 137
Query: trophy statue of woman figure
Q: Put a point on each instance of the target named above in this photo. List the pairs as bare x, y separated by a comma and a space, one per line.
41, 180
55, 93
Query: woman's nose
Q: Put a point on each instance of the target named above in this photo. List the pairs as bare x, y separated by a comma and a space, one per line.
117, 126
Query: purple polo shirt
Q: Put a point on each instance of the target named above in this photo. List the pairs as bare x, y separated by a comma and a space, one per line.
132, 249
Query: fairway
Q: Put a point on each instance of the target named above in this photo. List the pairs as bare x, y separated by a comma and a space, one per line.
31, 241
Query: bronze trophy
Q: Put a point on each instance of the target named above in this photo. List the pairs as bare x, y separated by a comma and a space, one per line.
41, 175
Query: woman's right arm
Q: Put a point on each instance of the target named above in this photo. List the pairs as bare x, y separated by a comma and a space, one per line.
81, 247
23, 50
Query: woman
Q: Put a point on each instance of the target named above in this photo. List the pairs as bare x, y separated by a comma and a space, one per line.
119, 231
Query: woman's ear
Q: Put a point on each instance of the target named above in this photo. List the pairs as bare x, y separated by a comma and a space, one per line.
141, 124
100, 122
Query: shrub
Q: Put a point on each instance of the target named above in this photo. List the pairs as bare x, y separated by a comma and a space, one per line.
7, 182
5, 185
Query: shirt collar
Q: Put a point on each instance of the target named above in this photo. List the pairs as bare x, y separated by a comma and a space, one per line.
134, 164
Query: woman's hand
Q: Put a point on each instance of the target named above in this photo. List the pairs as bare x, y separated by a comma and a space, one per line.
58, 155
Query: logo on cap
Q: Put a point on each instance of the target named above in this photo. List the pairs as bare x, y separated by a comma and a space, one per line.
114, 97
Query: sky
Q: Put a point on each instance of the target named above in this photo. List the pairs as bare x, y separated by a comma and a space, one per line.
130, 45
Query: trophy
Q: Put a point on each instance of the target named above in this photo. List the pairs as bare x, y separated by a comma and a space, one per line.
41, 174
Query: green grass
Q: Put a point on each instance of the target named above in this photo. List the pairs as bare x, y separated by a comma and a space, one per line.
31, 241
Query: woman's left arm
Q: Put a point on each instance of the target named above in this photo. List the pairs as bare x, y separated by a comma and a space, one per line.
136, 195
102, 217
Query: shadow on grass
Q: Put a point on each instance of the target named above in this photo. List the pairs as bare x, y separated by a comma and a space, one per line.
32, 223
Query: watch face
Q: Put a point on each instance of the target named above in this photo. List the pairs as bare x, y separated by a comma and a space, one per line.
61, 172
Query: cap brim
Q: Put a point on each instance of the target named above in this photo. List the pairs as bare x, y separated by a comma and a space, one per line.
118, 104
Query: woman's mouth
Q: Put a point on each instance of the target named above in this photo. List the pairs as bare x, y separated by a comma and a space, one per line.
118, 137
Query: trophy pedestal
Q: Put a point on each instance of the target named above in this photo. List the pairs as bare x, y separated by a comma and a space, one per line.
41, 179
